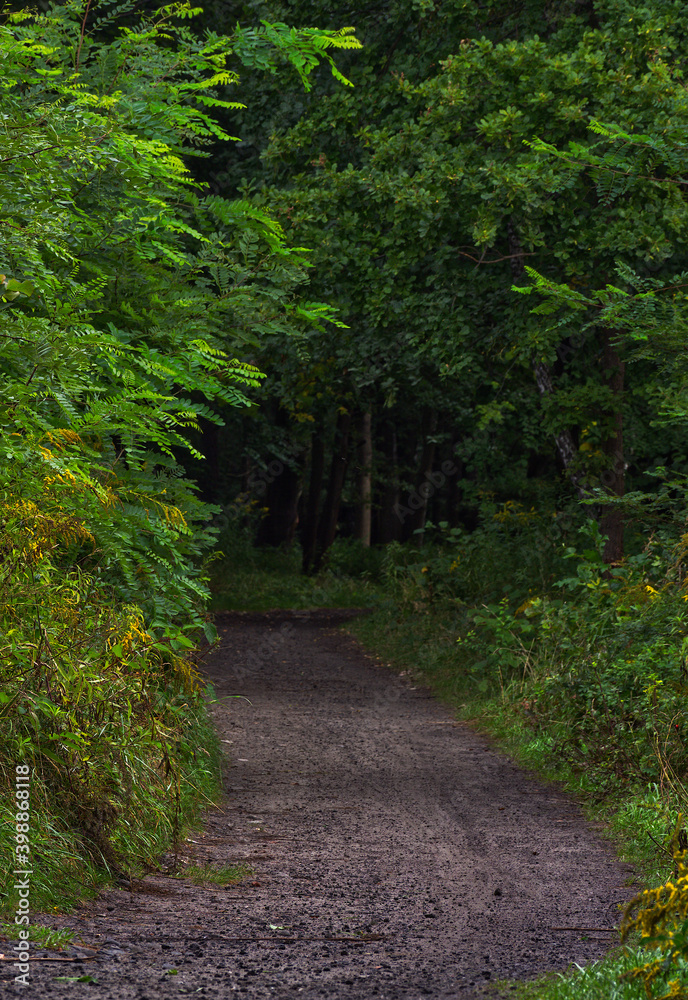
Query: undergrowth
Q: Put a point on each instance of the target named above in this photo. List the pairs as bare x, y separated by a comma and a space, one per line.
44, 937
103, 720
245, 578
605, 979
147, 764
575, 668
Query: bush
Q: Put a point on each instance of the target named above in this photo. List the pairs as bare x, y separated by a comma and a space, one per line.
660, 915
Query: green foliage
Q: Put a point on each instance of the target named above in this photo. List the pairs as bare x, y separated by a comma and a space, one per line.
605, 979
107, 715
128, 300
304, 48
46, 937
266, 580
209, 874
126, 285
595, 659
350, 558
479, 140
661, 916
513, 551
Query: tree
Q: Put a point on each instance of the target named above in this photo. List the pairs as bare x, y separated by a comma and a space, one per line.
126, 285
428, 193
131, 301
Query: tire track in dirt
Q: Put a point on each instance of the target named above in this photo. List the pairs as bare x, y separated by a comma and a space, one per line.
397, 854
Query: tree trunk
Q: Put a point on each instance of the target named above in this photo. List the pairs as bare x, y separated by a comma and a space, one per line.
425, 487
389, 525
282, 500
453, 493
365, 478
566, 446
330, 515
309, 534
614, 477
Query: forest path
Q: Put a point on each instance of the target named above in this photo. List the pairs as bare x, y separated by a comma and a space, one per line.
366, 813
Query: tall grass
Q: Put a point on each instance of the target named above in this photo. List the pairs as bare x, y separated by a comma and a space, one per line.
109, 719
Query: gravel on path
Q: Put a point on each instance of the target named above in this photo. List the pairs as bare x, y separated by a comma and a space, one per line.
395, 854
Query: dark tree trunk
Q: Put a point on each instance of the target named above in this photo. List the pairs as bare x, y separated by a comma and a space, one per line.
330, 515
309, 535
453, 487
425, 488
365, 478
282, 500
566, 446
389, 525
614, 477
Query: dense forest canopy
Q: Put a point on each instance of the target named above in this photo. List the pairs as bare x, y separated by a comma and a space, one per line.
482, 151
466, 153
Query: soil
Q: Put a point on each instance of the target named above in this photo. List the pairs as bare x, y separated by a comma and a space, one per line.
395, 854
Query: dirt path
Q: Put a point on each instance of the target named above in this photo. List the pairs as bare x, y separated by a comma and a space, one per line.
367, 814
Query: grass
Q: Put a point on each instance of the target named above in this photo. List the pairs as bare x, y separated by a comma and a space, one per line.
600, 980
210, 874
44, 937
248, 579
154, 809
